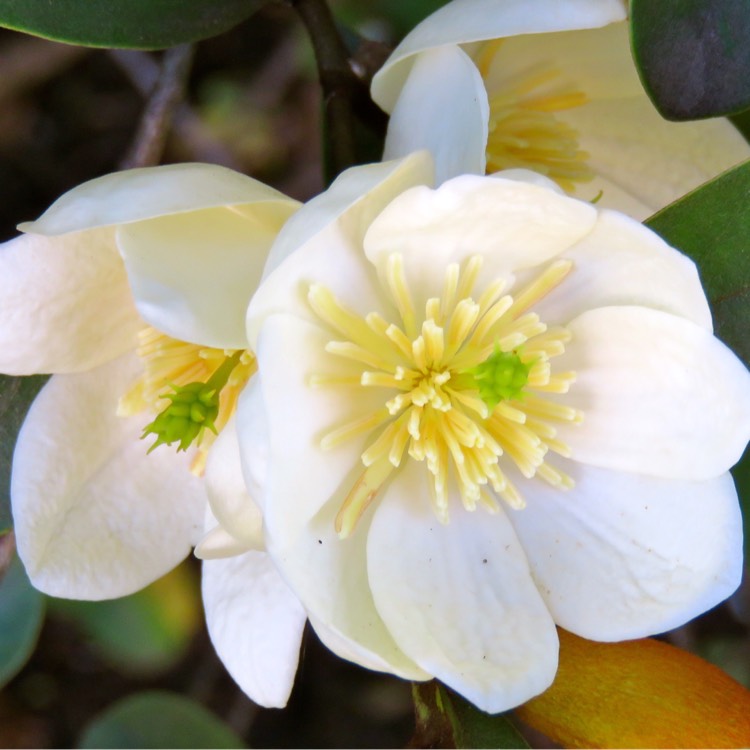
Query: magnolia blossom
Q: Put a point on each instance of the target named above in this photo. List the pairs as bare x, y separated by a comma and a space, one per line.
547, 85
482, 411
95, 516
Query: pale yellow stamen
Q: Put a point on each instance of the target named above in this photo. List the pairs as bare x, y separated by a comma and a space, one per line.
433, 411
524, 129
166, 362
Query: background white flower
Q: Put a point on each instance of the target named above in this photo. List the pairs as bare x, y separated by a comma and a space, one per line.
647, 533
96, 517
548, 85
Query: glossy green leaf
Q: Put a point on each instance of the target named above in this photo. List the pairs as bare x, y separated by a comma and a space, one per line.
136, 24
157, 719
145, 633
445, 719
16, 395
21, 617
693, 56
712, 226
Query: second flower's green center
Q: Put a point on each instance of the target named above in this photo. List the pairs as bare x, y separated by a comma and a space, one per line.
192, 389
462, 388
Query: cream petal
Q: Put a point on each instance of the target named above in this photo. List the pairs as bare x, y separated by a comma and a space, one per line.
193, 274
658, 161
624, 556
595, 61
218, 543
323, 242
228, 496
255, 623
621, 262
139, 194
442, 81
306, 485
459, 598
514, 225
66, 304
660, 395
301, 476
463, 21
95, 516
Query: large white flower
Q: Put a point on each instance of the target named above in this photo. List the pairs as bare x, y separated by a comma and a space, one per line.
482, 411
547, 85
95, 516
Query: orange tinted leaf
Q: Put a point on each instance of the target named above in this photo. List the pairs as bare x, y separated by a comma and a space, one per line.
639, 694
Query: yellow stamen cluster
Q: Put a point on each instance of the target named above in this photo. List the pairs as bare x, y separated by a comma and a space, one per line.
524, 131
434, 411
168, 362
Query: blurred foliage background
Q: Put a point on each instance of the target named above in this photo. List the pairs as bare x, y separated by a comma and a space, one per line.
74, 673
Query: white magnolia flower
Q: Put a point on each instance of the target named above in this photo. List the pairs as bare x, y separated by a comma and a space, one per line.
95, 517
547, 85
482, 411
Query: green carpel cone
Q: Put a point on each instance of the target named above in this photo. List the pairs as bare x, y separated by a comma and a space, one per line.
194, 408
501, 377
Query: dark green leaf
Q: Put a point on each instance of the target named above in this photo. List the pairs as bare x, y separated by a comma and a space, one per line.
16, 395
474, 728
136, 24
401, 17
21, 616
693, 56
157, 719
712, 226
445, 719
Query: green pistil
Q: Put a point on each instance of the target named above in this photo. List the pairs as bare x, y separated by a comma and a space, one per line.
193, 408
501, 377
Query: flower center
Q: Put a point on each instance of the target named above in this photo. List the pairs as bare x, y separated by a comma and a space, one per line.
462, 389
205, 383
524, 131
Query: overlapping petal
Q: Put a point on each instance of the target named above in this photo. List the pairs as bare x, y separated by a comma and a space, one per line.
94, 516
77, 280
459, 599
629, 555
660, 395
255, 623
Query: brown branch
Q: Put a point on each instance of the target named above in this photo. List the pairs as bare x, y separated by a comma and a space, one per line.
168, 92
337, 79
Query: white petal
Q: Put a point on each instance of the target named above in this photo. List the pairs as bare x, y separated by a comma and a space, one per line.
95, 516
624, 556
138, 194
595, 61
305, 487
464, 21
66, 305
323, 241
442, 108
657, 161
193, 274
255, 624
621, 262
660, 395
514, 225
459, 598
228, 496
218, 543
